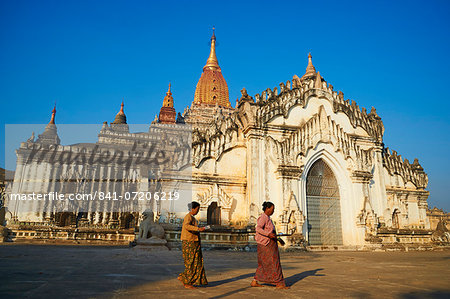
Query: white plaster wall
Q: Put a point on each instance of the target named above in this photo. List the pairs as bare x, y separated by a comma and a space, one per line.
233, 162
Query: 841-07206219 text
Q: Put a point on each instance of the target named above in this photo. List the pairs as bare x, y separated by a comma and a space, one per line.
139, 195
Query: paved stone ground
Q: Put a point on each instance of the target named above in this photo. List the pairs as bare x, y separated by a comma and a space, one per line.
48, 271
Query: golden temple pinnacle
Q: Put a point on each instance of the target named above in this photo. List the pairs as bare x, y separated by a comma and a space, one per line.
168, 99
212, 62
212, 89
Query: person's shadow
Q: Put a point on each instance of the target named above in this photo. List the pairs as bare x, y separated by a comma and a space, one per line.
291, 280
223, 281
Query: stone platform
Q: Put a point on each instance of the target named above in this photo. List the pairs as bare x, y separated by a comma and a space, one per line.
48, 271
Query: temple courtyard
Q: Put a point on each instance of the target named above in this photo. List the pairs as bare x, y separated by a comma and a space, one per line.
49, 271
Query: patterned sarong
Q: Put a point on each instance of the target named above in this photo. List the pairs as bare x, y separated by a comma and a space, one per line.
269, 267
194, 273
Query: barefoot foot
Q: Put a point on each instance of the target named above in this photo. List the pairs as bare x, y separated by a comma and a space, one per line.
189, 286
255, 284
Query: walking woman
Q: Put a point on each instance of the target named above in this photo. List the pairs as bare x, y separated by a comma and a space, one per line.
194, 273
269, 267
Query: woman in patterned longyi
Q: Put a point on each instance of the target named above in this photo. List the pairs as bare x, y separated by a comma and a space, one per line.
194, 272
269, 267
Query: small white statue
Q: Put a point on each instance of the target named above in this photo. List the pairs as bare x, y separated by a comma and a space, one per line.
149, 229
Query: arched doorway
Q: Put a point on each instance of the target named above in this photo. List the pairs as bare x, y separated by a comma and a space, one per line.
395, 219
127, 221
213, 217
323, 206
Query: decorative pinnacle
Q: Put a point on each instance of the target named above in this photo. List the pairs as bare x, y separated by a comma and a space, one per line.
318, 81
120, 116
121, 108
212, 61
52, 120
168, 99
310, 69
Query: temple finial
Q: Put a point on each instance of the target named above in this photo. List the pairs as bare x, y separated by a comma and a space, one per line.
50, 134
52, 120
310, 69
120, 116
212, 61
168, 99
167, 113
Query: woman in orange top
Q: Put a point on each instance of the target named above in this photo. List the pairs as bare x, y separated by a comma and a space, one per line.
194, 272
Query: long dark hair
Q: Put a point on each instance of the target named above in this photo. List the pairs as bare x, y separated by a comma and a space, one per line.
267, 205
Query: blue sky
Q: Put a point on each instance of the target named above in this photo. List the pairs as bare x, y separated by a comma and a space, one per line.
88, 55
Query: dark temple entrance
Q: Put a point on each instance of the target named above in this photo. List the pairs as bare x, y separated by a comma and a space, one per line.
323, 205
213, 214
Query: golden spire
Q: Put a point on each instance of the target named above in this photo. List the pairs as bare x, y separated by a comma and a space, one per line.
52, 120
212, 89
121, 108
212, 62
168, 99
310, 69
